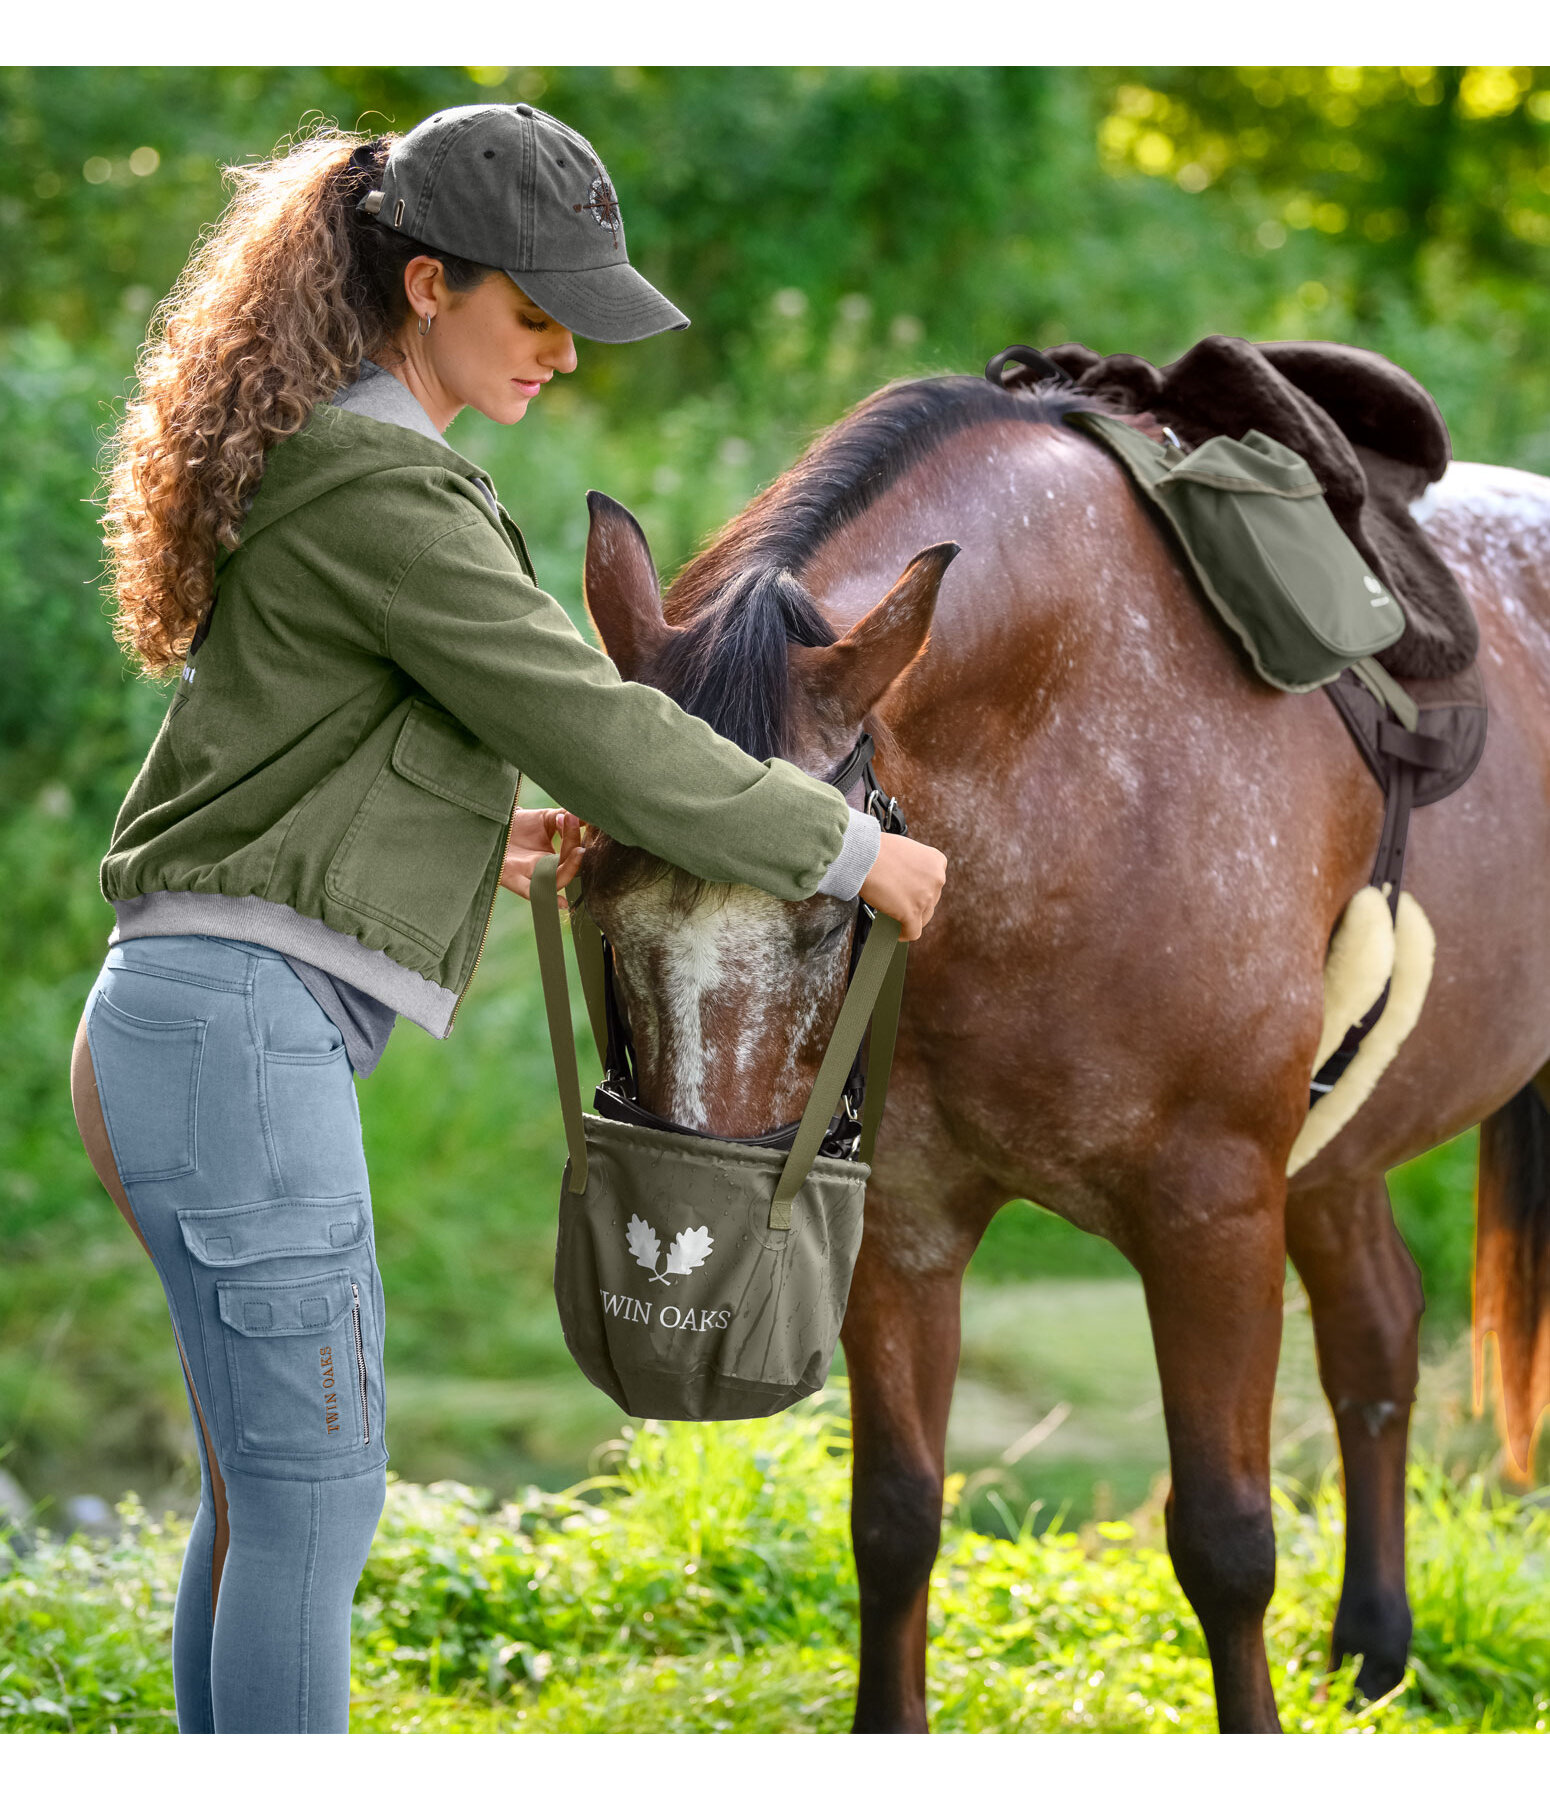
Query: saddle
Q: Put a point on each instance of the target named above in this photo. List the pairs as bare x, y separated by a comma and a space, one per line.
1369, 431
1374, 438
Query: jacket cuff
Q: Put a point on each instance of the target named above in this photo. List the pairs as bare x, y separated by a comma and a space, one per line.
858, 851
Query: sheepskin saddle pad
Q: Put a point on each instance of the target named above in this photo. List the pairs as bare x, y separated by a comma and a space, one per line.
1369, 431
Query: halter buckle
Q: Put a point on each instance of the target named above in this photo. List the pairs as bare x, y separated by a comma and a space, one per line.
886, 810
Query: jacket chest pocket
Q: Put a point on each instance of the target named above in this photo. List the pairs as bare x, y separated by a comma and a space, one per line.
420, 845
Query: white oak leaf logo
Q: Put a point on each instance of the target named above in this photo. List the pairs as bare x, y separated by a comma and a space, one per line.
643, 1244
690, 1248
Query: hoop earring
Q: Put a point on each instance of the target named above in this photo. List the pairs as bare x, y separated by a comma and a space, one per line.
425, 323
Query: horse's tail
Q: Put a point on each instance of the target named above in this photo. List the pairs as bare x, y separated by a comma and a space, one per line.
1512, 1265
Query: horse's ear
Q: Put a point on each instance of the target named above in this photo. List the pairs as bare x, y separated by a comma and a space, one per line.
861, 667
620, 583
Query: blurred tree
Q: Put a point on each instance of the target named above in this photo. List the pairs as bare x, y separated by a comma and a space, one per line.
1402, 169
736, 183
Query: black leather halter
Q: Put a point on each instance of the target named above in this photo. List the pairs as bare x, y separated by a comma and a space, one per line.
617, 1097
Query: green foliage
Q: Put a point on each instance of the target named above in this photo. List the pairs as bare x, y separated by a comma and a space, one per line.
86, 1630
1434, 1207
710, 1535
1407, 209
704, 1583
1395, 168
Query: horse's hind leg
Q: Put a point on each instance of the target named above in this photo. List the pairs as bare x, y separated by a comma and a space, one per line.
1365, 1295
901, 1354
1211, 1253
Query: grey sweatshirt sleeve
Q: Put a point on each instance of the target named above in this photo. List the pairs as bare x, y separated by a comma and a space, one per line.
858, 851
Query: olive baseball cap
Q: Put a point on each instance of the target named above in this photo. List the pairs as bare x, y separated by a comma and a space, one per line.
513, 188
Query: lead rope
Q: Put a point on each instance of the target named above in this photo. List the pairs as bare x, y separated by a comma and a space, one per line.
876, 987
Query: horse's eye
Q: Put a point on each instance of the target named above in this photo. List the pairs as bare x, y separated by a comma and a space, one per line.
807, 939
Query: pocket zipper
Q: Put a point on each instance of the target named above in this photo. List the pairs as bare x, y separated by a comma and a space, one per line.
360, 1358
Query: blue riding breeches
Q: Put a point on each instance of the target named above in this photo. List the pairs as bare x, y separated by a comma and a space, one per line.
216, 1101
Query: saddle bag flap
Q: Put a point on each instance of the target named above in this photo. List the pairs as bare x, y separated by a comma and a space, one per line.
1251, 519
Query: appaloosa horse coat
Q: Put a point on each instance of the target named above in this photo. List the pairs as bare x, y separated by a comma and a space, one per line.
1116, 1006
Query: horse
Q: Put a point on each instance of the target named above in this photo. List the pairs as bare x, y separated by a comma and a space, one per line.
1115, 1009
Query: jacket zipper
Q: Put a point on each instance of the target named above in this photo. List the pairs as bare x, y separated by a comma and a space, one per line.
487, 917
360, 1358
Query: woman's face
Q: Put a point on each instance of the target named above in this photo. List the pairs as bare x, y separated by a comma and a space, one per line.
490, 348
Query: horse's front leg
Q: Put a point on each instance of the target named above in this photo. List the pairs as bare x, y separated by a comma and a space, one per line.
901, 1354
1210, 1247
1364, 1291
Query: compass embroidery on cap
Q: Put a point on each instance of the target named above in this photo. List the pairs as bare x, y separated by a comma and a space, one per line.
603, 204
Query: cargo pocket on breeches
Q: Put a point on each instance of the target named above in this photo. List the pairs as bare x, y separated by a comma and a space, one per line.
300, 1339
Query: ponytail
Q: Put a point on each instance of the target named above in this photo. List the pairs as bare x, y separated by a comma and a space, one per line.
273, 313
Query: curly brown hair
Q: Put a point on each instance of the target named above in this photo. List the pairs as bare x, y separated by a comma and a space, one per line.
273, 312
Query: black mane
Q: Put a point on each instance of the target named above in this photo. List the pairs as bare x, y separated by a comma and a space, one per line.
741, 602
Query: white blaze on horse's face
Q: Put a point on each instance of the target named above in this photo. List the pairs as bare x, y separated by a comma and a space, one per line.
730, 1003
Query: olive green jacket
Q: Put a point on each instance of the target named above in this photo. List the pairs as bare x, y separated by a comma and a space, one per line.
342, 753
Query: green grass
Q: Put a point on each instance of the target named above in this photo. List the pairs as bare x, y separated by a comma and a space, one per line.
702, 1582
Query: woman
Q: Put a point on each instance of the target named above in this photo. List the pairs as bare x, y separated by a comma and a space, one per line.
313, 844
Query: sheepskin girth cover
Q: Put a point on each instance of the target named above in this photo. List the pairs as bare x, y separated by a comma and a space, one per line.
1369, 949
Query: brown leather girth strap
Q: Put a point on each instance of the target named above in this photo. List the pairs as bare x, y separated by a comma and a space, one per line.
1389, 867
99, 1151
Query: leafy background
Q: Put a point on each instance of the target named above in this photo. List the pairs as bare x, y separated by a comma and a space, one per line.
826, 229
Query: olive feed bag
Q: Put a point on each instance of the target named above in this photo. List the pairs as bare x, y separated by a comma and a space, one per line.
700, 1277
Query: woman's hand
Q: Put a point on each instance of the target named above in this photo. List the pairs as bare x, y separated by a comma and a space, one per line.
532, 837
905, 882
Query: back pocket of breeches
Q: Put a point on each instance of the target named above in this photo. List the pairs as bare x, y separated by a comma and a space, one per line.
300, 1345
148, 1082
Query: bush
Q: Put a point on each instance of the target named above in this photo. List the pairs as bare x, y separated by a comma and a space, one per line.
704, 1583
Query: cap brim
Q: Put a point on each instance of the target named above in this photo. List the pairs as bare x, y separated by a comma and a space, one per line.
613, 305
